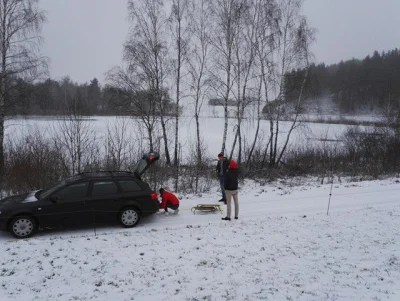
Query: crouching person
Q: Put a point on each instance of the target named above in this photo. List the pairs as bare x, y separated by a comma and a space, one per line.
169, 200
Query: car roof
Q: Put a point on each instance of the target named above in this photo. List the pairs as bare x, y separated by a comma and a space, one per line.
100, 174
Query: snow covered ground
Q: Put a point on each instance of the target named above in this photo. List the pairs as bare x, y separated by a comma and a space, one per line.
283, 247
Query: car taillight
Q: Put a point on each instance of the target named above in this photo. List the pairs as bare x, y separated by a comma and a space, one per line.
153, 196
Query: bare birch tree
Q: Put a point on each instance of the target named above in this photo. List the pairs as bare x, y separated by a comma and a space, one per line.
75, 139
199, 82
141, 104
121, 147
256, 134
267, 28
226, 14
293, 52
179, 21
280, 50
20, 26
244, 58
146, 53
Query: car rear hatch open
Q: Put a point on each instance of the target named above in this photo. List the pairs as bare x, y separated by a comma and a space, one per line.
145, 163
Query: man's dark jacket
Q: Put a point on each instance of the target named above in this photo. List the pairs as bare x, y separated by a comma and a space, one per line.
231, 179
225, 164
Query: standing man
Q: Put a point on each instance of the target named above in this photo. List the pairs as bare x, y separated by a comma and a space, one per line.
169, 200
222, 166
231, 190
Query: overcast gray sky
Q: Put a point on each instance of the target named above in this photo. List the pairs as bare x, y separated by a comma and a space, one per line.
83, 38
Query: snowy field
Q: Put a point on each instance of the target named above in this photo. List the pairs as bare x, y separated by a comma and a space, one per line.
211, 131
283, 247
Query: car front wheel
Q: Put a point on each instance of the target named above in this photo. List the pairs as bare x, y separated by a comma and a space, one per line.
22, 226
129, 217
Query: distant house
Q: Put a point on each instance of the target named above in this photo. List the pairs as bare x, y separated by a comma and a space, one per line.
221, 102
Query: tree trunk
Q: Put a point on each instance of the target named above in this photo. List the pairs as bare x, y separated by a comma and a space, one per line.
165, 137
258, 125
240, 147
158, 87
269, 112
237, 117
176, 130
149, 131
199, 158
296, 116
254, 142
271, 145
226, 98
198, 143
265, 155
233, 145
275, 163
2, 98
226, 120
178, 81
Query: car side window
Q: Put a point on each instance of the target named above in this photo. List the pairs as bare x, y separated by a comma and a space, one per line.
129, 185
74, 191
104, 188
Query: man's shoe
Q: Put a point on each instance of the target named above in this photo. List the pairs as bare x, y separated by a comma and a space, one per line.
221, 200
236, 217
226, 219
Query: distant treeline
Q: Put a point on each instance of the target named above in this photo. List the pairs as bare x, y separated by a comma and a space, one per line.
51, 97
371, 83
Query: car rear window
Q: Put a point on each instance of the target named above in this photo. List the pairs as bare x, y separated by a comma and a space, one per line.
104, 188
129, 185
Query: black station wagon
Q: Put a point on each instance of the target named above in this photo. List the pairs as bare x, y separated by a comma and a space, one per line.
87, 198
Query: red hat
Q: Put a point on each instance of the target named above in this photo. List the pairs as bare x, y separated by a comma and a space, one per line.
232, 164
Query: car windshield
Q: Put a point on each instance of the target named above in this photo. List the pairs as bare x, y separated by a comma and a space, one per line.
45, 193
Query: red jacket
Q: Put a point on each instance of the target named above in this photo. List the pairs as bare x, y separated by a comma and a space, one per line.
168, 197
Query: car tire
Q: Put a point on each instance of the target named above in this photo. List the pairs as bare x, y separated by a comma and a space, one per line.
22, 226
129, 217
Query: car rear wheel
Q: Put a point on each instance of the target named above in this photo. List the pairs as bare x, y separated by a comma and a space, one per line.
23, 226
129, 217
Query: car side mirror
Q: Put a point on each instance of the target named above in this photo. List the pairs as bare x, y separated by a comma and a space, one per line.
55, 199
